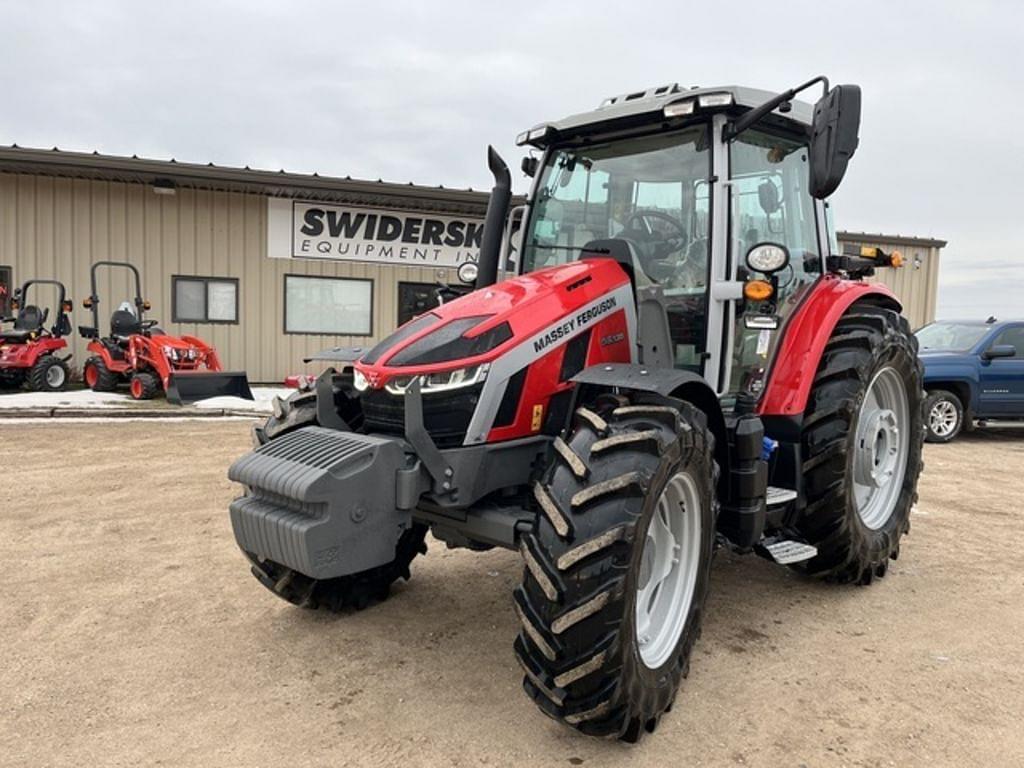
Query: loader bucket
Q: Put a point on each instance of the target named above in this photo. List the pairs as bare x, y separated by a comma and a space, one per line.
184, 388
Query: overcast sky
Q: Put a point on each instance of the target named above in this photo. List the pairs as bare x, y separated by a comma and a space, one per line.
414, 91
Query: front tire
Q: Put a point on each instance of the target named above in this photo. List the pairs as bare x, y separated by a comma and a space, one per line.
629, 493
861, 444
144, 385
49, 374
355, 591
944, 416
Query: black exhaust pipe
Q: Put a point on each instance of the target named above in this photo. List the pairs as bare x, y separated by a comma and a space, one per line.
494, 221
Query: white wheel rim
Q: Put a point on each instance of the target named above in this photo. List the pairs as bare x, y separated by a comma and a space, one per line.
880, 451
942, 418
669, 565
54, 376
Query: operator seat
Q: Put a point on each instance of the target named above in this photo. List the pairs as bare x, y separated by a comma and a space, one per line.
124, 323
29, 320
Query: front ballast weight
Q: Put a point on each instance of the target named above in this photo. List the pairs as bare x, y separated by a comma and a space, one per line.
324, 503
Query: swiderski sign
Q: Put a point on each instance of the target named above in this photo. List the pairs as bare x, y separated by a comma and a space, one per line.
311, 230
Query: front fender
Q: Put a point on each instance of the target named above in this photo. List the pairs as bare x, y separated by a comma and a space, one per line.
805, 336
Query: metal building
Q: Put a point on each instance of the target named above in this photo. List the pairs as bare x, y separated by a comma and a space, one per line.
269, 267
917, 283
222, 250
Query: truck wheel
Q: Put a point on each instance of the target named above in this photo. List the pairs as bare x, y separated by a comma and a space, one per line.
49, 374
357, 590
944, 416
144, 385
616, 572
97, 376
861, 443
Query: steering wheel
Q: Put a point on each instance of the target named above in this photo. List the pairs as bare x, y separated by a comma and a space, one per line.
661, 245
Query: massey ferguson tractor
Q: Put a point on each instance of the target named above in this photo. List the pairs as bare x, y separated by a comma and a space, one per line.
30, 352
138, 352
676, 360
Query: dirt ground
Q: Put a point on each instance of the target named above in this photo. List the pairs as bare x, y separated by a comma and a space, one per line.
133, 634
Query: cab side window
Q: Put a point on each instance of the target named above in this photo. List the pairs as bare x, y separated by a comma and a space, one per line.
1013, 337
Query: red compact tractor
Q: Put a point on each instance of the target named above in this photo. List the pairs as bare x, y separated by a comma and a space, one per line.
676, 360
150, 361
29, 350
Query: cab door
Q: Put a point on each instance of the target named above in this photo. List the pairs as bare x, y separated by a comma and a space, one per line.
1002, 378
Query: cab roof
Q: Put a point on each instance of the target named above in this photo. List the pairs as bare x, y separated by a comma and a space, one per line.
644, 105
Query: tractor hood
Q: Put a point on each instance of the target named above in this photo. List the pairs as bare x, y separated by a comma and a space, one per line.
474, 330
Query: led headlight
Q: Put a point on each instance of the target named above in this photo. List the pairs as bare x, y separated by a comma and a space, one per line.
440, 382
359, 380
171, 352
767, 258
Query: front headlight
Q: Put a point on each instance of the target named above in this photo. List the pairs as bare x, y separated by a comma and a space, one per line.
440, 382
171, 352
359, 380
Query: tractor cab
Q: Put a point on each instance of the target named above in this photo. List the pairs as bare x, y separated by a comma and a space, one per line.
682, 186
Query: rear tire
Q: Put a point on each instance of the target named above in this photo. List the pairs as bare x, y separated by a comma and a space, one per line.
12, 379
97, 376
592, 658
862, 458
49, 374
355, 591
943, 416
144, 386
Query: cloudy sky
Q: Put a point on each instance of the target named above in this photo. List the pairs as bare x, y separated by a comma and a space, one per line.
414, 91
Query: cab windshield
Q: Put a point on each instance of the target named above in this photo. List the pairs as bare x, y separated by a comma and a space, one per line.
950, 337
652, 191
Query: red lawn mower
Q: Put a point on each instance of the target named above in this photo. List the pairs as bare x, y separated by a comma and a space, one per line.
28, 350
148, 359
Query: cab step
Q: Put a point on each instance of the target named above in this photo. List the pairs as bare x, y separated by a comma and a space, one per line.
787, 551
777, 496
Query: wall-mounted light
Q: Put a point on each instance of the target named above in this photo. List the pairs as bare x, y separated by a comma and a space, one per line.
164, 186
917, 262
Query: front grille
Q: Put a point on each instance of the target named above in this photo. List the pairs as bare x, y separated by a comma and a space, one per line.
446, 415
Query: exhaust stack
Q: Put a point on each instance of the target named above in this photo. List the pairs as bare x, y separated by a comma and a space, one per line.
494, 222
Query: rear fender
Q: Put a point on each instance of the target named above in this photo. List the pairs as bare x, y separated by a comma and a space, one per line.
805, 336
97, 349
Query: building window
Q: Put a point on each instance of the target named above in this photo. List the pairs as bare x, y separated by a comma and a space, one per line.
333, 306
204, 299
415, 299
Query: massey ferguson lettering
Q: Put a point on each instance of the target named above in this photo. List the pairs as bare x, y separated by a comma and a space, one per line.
583, 319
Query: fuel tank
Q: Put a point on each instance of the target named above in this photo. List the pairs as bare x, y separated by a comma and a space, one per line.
496, 364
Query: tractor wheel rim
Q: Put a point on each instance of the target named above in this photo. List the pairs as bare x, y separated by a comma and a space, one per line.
54, 376
136, 388
91, 376
942, 418
669, 566
880, 453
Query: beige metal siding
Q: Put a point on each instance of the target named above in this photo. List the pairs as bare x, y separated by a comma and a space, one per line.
916, 284
57, 227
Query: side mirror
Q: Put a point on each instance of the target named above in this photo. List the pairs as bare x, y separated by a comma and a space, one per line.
529, 166
833, 138
999, 350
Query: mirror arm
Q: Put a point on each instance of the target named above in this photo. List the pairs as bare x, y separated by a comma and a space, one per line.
735, 129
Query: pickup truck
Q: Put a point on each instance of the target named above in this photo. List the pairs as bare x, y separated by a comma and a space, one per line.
973, 370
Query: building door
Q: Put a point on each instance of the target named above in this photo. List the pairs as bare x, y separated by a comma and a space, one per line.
6, 289
415, 299
1002, 378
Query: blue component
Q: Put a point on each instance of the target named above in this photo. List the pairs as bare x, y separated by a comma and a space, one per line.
768, 447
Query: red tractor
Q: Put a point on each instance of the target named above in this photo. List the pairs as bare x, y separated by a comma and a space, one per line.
677, 360
29, 350
150, 361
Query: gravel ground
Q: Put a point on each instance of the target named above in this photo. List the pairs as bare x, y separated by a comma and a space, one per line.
132, 633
